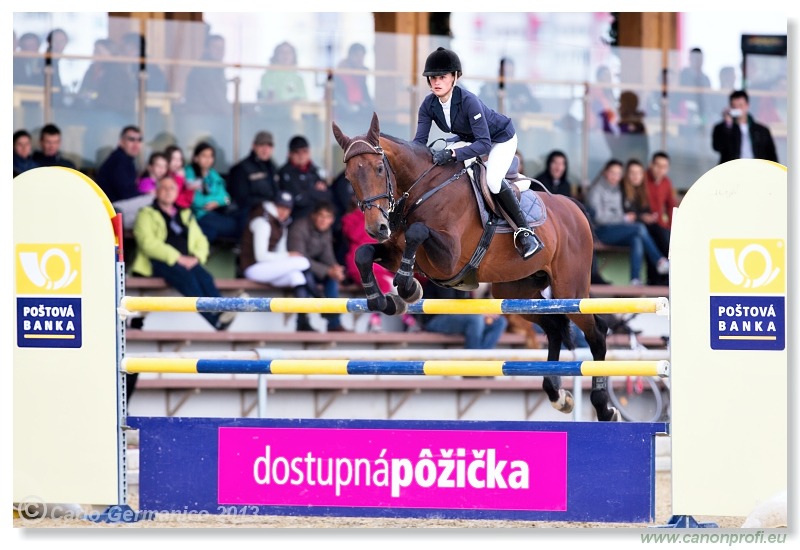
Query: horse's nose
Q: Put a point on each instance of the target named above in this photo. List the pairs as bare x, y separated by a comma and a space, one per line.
383, 232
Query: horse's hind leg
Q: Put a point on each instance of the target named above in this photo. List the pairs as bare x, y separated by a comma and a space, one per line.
594, 329
556, 327
366, 256
408, 288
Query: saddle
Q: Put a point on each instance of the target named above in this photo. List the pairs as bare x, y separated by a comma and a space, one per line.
493, 218
530, 203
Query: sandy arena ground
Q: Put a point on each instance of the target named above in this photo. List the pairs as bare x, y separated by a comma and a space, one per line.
663, 494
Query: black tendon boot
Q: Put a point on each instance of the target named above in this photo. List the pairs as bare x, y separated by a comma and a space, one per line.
525, 239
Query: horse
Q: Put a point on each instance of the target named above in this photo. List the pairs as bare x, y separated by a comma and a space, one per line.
424, 218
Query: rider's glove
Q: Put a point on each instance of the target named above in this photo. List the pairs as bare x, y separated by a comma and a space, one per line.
443, 156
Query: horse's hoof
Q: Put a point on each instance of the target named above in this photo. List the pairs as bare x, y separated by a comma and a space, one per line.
415, 294
565, 402
395, 305
613, 415
376, 304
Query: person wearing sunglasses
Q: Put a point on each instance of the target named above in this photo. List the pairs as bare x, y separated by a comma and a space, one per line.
118, 176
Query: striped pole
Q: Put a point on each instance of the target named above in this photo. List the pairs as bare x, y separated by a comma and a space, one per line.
406, 354
429, 368
359, 305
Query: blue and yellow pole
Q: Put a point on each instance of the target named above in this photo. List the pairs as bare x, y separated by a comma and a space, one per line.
429, 368
359, 305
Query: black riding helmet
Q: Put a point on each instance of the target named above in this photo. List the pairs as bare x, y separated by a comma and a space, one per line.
441, 62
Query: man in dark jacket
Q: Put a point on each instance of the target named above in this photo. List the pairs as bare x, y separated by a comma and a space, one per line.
50, 143
254, 179
739, 136
301, 177
117, 176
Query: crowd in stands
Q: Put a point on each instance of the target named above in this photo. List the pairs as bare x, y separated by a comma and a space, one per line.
289, 227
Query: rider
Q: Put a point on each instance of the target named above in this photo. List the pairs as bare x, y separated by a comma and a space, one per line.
458, 111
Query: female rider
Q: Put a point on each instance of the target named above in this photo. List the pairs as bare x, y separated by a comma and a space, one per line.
459, 111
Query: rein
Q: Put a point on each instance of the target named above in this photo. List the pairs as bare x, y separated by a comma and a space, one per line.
395, 213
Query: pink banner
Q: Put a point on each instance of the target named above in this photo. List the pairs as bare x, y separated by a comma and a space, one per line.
448, 469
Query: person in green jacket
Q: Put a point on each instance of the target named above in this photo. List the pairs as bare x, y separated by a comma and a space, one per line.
171, 245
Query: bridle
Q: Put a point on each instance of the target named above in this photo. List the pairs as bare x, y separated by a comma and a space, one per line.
371, 202
395, 217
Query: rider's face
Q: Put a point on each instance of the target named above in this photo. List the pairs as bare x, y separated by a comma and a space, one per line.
442, 86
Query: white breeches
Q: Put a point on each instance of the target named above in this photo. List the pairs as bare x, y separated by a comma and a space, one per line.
498, 163
287, 272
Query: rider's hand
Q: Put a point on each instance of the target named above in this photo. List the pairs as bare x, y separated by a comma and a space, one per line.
443, 156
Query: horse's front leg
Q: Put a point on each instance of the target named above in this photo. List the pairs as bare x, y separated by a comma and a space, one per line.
366, 256
408, 287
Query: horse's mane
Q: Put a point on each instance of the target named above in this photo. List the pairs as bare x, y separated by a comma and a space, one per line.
416, 148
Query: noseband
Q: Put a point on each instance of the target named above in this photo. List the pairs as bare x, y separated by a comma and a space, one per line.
371, 202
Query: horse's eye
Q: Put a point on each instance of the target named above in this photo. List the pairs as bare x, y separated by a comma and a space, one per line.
380, 169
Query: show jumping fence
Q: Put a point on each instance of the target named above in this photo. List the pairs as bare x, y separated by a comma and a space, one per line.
70, 360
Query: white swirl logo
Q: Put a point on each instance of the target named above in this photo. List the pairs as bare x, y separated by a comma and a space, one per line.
37, 271
733, 266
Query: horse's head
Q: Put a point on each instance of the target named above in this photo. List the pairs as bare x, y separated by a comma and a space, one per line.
368, 172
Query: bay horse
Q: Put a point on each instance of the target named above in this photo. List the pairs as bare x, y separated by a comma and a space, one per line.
425, 217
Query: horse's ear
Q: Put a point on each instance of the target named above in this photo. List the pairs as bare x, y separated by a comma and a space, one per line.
341, 139
374, 134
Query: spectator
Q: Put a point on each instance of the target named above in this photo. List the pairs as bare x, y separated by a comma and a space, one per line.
739, 135
663, 98
636, 200
613, 226
601, 97
206, 86
554, 176
343, 200
301, 177
57, 40
175, 168
694, 77
254, 179
170, 244
518, 97
312, 238
355, 236
282, 84
118, 176
211, 202
96, 75
353, 105
718, 100
660, 193
156, 169
134, 45
117, 86
23, 160
265, 257
50, 143
625, 132
481, 331
28, 70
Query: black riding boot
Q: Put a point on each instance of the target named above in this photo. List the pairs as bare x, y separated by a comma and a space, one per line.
525, 240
